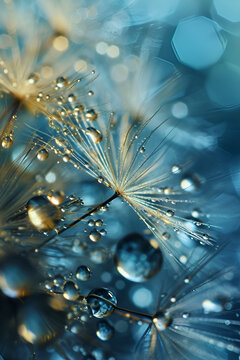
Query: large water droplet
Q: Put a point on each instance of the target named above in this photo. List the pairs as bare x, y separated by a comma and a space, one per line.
70, 291
94, 236
104, 330
100, 301
136, 259
190, 183
42, 155
42, 213
83, 273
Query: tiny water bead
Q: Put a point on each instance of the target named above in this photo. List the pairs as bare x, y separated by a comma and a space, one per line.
42, 213
42, 155
170, 213
71, 98
41, 319
70, 291
83, 273
17, 276
104, 330
95, 235
61, 82
7, 142
58, 280
57, 197
33, 78
176, 169
190, 183
101, 302
136, 259
91, 115
162, 320
94, 134
99, 222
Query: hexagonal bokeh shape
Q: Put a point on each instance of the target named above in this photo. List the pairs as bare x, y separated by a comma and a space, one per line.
223, 85
198, 42
228, 9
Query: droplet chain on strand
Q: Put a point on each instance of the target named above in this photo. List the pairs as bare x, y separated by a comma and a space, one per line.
69, 226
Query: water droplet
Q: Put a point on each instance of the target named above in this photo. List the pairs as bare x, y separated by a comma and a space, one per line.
100, 179
196, 213
83, 273
104, 330
94, 236
162, 320
33, 78
70, 291
61, 82
185, 315
91, 223
136, 259
103, 232
176, 169
173, 299
91, 115
190, 183
99, 222
90, 93
57, 197
58, 280
42, 155
41, 319
42, 213
102, 305
7, 142
170, 213
71, 98
94, 134
66, 157
166, 236
210, 305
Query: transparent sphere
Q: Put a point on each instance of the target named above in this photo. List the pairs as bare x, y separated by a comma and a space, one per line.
189, 183
104, 330
17, 276
70, 291
42, 213
101, 302
136, 259
41, 319
83, 273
